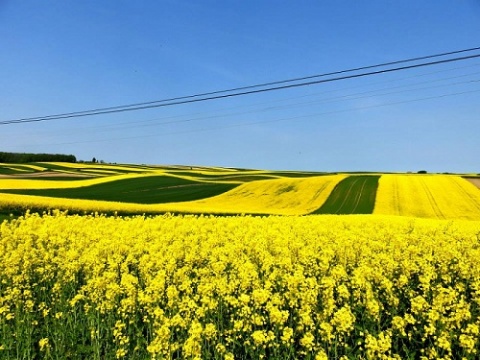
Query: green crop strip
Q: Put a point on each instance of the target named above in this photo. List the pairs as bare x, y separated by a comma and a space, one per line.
353, 195
87, 169
15, 169
53, 167
292, 174
7, 171
60, 177
222, 177
142, 190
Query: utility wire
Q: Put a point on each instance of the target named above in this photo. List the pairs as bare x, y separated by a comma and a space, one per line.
201, 97
214, 128
204, 116
266, 84
346, 97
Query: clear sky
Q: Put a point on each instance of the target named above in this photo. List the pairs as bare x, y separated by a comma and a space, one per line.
64, 56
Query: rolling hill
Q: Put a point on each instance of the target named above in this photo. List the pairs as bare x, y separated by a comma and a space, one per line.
214, 190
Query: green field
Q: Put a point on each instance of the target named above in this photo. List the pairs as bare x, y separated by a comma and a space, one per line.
15, 170
142, 190
226, 177
8, 171
353, 195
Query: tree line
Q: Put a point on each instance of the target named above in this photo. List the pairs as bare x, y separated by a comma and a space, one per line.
18, 158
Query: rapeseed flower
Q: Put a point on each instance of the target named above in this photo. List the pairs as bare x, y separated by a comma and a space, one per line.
245, 287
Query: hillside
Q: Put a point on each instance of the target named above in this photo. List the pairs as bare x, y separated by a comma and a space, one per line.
213, 190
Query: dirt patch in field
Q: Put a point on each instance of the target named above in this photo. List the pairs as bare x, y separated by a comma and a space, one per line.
45, 174
474, 181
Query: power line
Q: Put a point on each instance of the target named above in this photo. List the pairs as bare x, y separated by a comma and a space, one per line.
290, 118
267, 84
391, 90
216, 95
349, 97
206, 116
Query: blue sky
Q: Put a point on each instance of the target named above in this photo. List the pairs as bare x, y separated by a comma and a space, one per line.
63, 56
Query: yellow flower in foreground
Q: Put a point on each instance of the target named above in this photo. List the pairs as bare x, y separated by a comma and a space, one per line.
44, 344
218, 287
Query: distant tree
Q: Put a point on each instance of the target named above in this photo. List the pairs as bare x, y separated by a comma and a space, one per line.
28, 157
422, 172
94, 160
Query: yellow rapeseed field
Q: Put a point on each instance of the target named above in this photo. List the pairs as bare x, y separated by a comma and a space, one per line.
14, 183
285, 196
434, 196
278, 196
21, 203
195, 287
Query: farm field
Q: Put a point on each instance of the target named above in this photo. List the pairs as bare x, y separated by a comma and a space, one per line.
398, 278
353, 195
138, 189
204, 287
143, 190
474, 180
434, 196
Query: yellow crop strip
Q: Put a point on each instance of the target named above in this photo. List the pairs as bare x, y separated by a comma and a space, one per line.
312, 287
433, 196
33, 167
15, 203
100, 171
16, 169
7, 183
98, 166
195, 177
278, 196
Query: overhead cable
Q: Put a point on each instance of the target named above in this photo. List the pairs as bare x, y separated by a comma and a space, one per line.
254, 88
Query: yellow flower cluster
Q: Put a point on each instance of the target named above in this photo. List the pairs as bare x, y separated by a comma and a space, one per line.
195, 287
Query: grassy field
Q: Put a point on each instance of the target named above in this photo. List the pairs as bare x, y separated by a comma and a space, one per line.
353, 195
